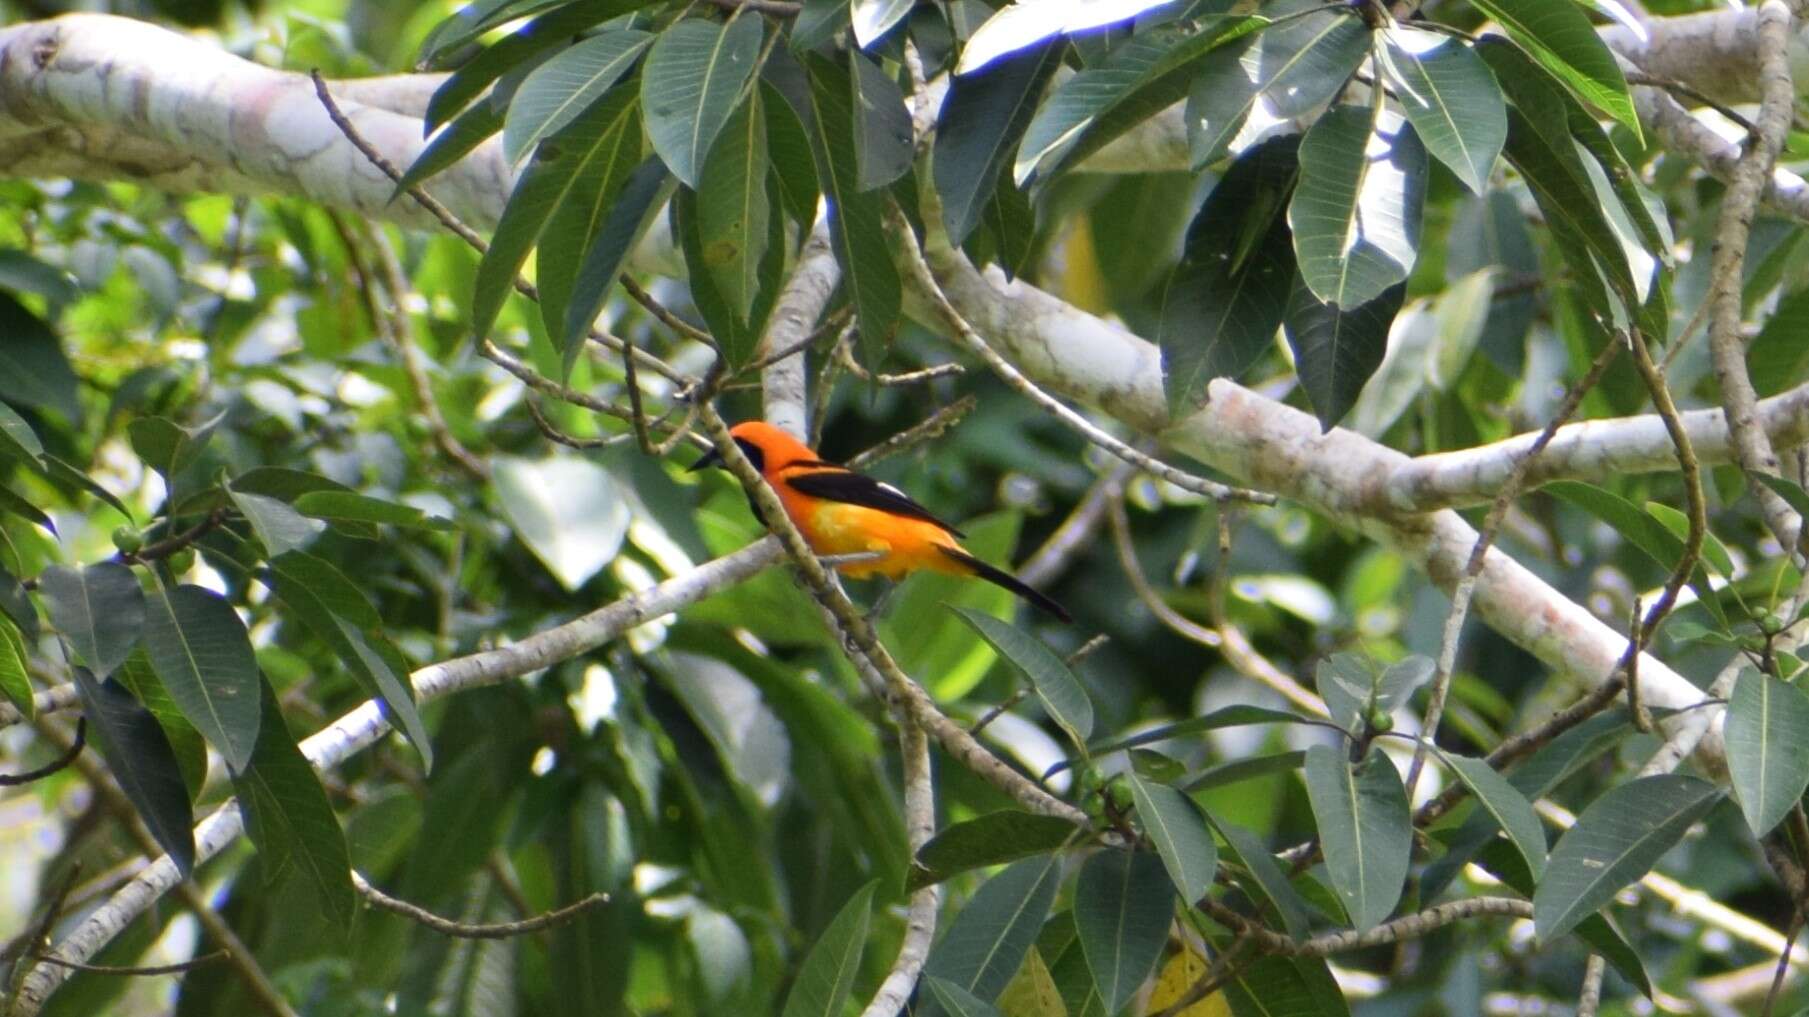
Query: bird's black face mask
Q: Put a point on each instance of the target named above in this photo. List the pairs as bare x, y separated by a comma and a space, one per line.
714, 458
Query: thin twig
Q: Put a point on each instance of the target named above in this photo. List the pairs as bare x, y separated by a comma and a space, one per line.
463, 930
1075, 534
180, 967
844, 351
930, 428
68, 756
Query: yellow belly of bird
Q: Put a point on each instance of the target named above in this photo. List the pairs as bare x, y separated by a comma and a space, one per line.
849, 529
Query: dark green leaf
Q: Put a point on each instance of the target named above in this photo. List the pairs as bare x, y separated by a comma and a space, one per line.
21, 271
827, 974
579, 221
1245, 769
883, 145
201, 652
1366, 827
1560, 37
1227, 295
1262, 878
289, 818
472, 21
956, 1001
99, 609
693, 80
139, 755
1173, 823
1510, 810
12, 502
280, 527
15, 680
1239, 715
737, 336
342, 505
640, 199
788, 152
1777, 354
33, 370
459, 139
818, 23
1294, 67
1056, 686
1616, 840
167, 446
16, 604
992, 839
1767, 730
990, 936
1451, 99
17, 437
857, 225
733, 213
63, 473
1356, 213
560, 89
1787, 489
1286, 987
1123, 906
982, 120
1336, 351
543, 33
1352, 686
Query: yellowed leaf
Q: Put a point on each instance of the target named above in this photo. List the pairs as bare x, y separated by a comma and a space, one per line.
1032, 991
1179, 973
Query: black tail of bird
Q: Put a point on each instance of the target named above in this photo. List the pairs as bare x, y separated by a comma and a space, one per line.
999, 577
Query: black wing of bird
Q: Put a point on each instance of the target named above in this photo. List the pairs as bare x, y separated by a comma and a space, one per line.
853, 488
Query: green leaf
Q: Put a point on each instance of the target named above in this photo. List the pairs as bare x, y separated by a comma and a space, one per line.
1226, 297
956, 1001
33, 370
1451, 99
788, 154
871, 19
1149, 72
1560, 37
472, 21
202, 654
640, 199
1366, 827
829, 968
63, 473
515, 49
457, 140
992, 839
1616, 840
1642, 530
990, 936
1767, 729
17, 436
1244, 769
1056, 686
166, 445
1777, 354
1294, 67
1123, 906
553, 175
1356, 213
1238, 715
738, 337
99, 609
21, 271
1032, 992
1173, 823
1352, 686
15, 680
693, 80
1262, 878
982, 120
1286, 987
557, 91
337, 506
1336, 351
280, 527
333, 607
140, 757
586, 212
1504, 803
1713, 550
1787, 489
883, 143
732, 208
857, 227
11, 502
290, 820
16, 604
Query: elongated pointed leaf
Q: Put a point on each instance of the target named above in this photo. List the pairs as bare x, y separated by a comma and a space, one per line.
1336, 351
337, 506
1356, 214
1286, 987
99, 609
1560, 37
1366, 827
1767, 731
991, 839
871, 19
1018, 25
33, 370
166, 445
289, 818
857, 224
202, 654
883, 145
560, 89
504, 55
552, 176
581, 219
636, 205
1504, 804
278, 526
989, 937
1262, 878
695, 75
1616, 840
736, 335
1173, 823
1123, 906
1056, 686
1226, 297
732, 208
982, 120
1638, 528
16, 436
139, 755
829, 969
1238, 715
1451, 99
458, 139
1292, 68
15, 682
1148, 73
957, 1001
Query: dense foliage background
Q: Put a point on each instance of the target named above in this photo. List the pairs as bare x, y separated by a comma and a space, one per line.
258, 470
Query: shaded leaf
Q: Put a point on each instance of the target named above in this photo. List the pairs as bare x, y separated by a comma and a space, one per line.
99, 609
1123, 906
1336, 351
981, 122
1286, 987
992, 839
141, 760
640, 199
1173, 823
1767, 729
827, 974
17, 437
1238, 715
957, 1001
203, 656
1057, 687
347, 506
990, 936
1265, 882
33, 370
694, 77
1366, 827
883, 143
1510, 810
732, 208
580, 220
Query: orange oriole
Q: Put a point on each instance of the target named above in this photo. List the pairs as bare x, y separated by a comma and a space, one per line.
839, 511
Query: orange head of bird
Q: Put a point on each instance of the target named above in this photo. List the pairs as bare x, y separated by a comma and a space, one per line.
767, 447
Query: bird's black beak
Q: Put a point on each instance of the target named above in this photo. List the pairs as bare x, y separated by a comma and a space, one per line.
705, 461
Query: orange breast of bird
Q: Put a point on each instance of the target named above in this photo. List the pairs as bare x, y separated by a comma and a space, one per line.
907, 545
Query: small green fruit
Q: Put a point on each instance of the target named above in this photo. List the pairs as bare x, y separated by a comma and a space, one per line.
127, 539
183, 560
